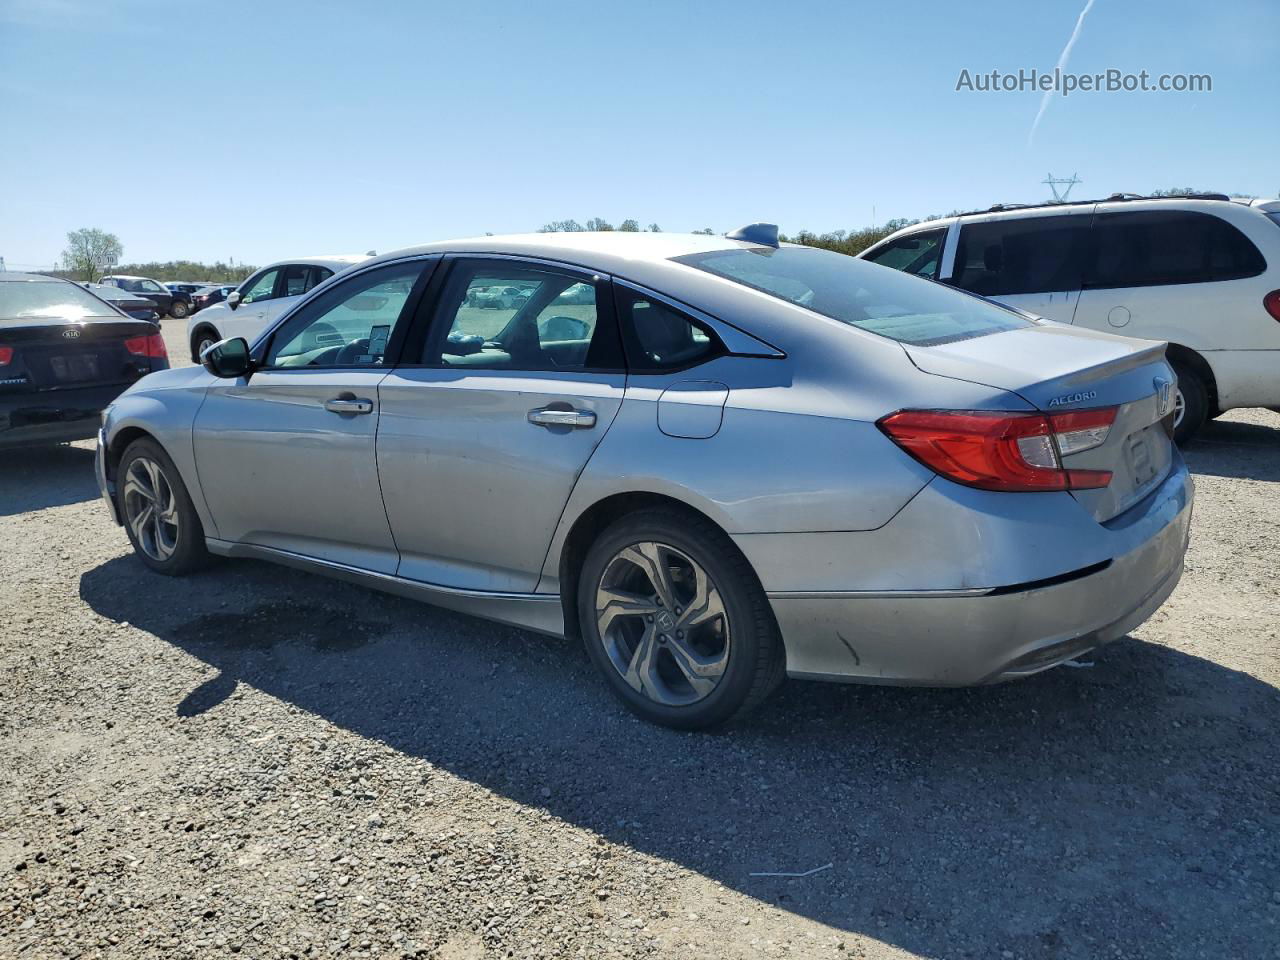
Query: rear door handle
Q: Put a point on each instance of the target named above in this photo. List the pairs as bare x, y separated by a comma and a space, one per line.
349, 404
551, 417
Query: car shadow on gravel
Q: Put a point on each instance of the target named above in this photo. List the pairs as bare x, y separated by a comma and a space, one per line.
1131, 808
35, 478
1232, 448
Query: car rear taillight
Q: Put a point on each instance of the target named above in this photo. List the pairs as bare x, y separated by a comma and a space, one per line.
1016, 452
6, 356
1271, 302
148, 346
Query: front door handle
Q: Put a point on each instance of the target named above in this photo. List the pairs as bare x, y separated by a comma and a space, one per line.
349, 404
551, 417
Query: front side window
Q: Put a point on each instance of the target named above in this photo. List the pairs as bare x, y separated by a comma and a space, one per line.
1155, 247
508, 315
1008, 257
351, 325
261, 288
883, 302
918, 253
150, 286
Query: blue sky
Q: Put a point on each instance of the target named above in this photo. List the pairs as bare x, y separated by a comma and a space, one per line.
273, 129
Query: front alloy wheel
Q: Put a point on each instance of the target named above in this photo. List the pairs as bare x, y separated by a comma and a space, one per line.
151, 509
663, 624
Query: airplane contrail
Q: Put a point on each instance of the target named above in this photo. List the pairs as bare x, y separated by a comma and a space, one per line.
1062, 65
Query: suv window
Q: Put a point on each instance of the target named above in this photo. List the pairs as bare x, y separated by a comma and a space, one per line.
1154, 247
149, 286
350, 325
261, 288
1024, 255
506, 315
659, 337
295, 280
918, 253
318, 276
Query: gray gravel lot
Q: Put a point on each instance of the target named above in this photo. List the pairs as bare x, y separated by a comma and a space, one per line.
261, 762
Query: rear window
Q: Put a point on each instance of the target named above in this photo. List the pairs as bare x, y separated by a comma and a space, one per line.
863, 295
1151, 248
35, 300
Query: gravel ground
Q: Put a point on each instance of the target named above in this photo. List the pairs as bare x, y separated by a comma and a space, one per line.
261, 762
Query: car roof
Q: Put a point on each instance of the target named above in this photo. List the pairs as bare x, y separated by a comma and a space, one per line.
325, 260
614, 252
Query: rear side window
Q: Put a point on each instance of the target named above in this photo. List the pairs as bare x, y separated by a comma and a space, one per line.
1156, 247
917, 254
885, 302
1009, 257
658, 337
295, 280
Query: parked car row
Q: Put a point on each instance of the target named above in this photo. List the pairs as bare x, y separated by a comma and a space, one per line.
1202, 273
718, 460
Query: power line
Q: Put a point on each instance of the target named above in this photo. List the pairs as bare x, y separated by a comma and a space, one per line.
1060, 196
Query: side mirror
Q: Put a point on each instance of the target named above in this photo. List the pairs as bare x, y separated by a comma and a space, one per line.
233, 299
227, 358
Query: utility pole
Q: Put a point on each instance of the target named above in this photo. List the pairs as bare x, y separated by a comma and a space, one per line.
1060, 196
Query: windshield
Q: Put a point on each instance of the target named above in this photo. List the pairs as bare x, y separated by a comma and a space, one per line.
877, 299
36, 300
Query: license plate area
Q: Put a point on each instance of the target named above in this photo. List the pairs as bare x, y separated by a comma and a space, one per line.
74, 367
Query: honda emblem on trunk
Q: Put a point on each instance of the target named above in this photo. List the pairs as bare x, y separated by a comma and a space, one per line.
1164, 395
71, 333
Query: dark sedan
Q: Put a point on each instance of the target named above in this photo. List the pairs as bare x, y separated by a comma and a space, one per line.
134, 304
208, 296
64, 355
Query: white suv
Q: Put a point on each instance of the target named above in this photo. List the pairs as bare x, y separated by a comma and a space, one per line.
254, 305
1201, 272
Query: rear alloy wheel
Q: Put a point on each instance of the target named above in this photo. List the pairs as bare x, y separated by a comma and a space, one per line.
1190, 404
675, 620
157, 511
178, 310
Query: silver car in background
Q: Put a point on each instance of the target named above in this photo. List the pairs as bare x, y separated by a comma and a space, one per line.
720, 461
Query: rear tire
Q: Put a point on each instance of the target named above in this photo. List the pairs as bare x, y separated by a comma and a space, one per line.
694, 651
178, 310
1191, 404
158, 514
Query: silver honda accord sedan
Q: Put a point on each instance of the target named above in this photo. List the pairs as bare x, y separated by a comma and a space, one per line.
720, 461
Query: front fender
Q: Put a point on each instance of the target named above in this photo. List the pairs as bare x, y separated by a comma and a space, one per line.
163, 406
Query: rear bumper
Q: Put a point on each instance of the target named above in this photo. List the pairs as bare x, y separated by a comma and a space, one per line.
966, 636
55, 416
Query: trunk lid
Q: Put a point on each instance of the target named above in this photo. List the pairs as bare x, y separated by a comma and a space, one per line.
1061, 369
53, 354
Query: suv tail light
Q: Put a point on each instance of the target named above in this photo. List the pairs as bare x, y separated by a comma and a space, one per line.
6, 356
1272, 304
1015, 452
148, 346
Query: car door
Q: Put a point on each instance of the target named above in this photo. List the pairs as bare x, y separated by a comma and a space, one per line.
248, 317
1177, 275
286, 456
1032, 263
481, 441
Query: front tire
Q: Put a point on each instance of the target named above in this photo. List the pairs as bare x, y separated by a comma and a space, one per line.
179, 310
158, 515
203, 339
1191, 404
675, 619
